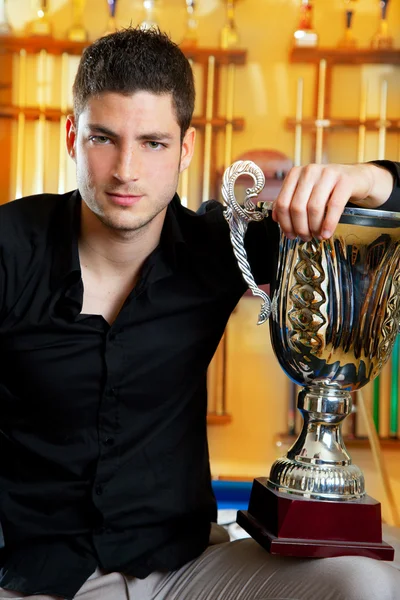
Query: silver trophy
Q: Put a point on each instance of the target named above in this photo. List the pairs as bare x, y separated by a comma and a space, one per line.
5, 27
333, 319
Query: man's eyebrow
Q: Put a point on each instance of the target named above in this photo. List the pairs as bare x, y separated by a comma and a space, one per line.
97, 128
155, 136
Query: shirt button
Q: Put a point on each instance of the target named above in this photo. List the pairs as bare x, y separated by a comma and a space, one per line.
108, 441
99, 490
100, 530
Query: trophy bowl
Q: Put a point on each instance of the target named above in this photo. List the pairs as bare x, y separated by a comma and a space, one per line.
334, 317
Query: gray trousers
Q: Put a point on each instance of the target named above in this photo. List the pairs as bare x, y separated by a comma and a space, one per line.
242, 570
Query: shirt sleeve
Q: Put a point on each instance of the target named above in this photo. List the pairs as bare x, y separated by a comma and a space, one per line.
393, 202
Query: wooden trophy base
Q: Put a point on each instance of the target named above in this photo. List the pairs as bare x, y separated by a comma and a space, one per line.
294, 526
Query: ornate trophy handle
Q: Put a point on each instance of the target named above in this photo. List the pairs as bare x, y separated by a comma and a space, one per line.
239, 217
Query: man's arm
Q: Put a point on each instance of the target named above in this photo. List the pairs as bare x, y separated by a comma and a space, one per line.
313, 197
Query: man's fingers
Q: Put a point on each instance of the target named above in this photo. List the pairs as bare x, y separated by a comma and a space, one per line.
335, 207
323, 194
312, 200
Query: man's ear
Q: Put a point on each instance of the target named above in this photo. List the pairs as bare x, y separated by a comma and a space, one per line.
71, 135
187, 148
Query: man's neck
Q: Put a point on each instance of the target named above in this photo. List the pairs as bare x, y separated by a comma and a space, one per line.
113, 253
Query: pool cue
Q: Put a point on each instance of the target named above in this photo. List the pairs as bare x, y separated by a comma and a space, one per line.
362, 128
20, 124
208, 127
230, 97
298, 134
184, 177
41, 124
382, 121
373, 438
394, 389
62, 153
375, 409
320, 111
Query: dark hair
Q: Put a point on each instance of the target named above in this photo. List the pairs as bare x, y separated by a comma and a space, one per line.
132, 60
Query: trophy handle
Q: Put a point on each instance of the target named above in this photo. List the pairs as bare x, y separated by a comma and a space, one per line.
238, 218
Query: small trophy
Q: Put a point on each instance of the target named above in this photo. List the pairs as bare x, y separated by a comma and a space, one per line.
305, 35
41, 25
150, 20
190, 39
229, 32
77, 33
5, 27
348, 40
112, 25
382, 40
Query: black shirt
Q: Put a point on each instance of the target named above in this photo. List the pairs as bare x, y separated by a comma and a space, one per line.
104, 458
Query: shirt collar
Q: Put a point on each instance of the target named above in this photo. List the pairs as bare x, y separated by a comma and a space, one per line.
65, 234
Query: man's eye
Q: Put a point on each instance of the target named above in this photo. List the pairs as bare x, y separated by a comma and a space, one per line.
99, 139
155, 145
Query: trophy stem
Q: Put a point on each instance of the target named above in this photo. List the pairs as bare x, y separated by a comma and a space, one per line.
41, 26
77, 33
382, 39
150, 19
229, 33
5, 27
190, 38
318, 465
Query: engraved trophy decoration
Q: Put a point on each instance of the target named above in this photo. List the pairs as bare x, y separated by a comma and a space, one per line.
382, 39
335, 312
5, 27
41, 25
77, 33
190, 39
229, 34
348, 40
111, 25
305, 35
150, 19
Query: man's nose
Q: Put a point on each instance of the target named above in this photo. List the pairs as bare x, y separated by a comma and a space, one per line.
127, 166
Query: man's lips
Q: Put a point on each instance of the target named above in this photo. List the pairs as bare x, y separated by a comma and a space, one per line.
123, 199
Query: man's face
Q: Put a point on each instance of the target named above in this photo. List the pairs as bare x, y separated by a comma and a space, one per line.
128, 156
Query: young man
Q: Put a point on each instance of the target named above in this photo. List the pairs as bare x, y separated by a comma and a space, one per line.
113, 299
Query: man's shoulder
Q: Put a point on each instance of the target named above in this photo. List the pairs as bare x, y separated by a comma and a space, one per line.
37, 205
30, 215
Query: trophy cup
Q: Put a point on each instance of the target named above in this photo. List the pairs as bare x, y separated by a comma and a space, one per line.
335, 314
77, 33
229, 33
5, 27
149, 20
305, 35
382, 40
348, 40
41, 25
111, 25
190, 39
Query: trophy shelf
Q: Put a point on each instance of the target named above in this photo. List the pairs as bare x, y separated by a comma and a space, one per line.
214, 419
345, 56
342, 124
33, 113
33, 45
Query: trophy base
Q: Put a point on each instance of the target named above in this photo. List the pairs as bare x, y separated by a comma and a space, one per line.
305, 38
77, 34
39, 28
294, 526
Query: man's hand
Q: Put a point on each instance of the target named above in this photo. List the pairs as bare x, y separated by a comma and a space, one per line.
313, 197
